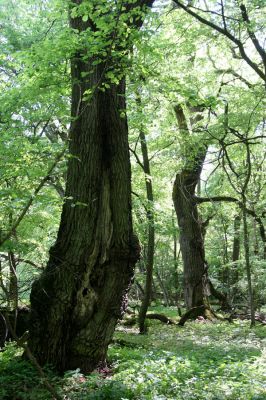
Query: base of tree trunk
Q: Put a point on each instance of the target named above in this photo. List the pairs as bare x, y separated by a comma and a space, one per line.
195, 312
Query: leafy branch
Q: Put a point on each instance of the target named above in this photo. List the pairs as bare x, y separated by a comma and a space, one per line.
225, 32
31, 199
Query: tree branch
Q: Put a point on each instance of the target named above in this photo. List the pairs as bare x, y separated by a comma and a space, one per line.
200, 200
137, 158
31, 199
226, 33
252, 35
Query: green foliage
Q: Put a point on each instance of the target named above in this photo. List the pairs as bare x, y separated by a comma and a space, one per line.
18, 378
176, 61
94, 387
199, 361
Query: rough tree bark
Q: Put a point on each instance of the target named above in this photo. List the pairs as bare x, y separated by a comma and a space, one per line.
191, 235
82, 292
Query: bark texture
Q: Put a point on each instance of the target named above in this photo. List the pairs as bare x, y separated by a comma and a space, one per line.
78, 299
191, 239
191, 234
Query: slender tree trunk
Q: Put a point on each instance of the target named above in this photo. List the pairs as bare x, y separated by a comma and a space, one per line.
13, 281
234, 276
225, 270
151, 234
236, 242
164, 290
255, 239
248, 266
78, 299
246, 234
13, 288
176, 257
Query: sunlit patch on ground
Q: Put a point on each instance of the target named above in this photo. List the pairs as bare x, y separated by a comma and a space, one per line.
213, 361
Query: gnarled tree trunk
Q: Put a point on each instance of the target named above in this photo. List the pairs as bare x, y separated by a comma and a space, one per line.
82, 293
191, 239
190, 227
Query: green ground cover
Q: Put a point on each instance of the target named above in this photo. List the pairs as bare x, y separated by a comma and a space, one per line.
212, 361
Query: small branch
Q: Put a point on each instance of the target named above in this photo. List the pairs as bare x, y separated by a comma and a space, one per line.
159, 151
137, 158
31, 199
252, 35
200, 200
139, 197
226, 33
223, 15
29, 262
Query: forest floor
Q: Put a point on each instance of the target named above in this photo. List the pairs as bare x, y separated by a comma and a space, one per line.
202, 360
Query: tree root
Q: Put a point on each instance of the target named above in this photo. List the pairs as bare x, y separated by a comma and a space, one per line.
161, 317
195, 312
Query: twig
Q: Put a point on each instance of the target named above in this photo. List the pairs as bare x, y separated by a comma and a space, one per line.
31, 199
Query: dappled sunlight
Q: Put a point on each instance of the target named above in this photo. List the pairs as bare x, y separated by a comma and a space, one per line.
212, 361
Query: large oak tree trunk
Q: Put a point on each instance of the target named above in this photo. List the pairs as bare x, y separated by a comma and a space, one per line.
82, 293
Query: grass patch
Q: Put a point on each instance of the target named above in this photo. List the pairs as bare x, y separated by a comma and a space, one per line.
201, 361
